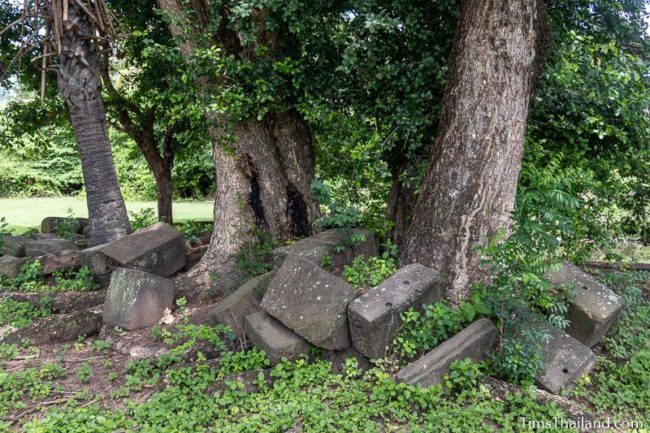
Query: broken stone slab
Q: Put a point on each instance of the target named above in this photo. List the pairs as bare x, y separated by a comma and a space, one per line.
312, 302
275, 339
37, 248
99, 263
13, 245
328, 248
10, 265
54, 224
137, 299
60, 302
375, 316
57, 328
565, 360
593, 307
232, 310
475, 341
158, 249
66, 260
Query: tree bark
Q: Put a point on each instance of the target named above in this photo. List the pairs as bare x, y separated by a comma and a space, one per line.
263, 175
263, 183
141, 127
80, 86
468, 193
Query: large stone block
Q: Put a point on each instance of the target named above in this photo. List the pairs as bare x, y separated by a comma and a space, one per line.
158, 249
232, 310
137, 299
565, 360
37, 248
13, 245
475, 342
73, 225
311, 301
375, 316
328, 248
10, 265
66, 260
275, 339
99, 263
593, 307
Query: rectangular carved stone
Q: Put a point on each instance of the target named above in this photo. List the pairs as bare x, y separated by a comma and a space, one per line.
275, 339
232, 310
475, 342
565, 360
312, 302
593, 307
374, 316
137, 299
329, 246
158, 249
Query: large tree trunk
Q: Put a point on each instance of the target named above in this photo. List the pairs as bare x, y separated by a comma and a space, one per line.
263, 181
468, 193
263, 176
79, 83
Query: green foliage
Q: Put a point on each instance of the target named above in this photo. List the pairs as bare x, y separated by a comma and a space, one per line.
192, 229
21, 314
30, 278
68, 227
76, 281
256, 255
143, 218
19, 386
464, 374
336, 214
3, 230
369, 272
421, 332
309, 393
85, 373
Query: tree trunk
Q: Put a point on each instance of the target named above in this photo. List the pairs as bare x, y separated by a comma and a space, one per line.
263, 181
468, 193
79, 83
263, 176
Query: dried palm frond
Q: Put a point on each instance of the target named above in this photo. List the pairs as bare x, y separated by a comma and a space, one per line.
50, 18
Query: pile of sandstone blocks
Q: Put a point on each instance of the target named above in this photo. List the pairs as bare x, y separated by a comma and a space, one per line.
300, 303
136, 269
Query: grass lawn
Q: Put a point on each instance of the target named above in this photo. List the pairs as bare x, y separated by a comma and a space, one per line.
23, 213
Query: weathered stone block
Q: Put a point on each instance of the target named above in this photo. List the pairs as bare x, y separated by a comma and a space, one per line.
311, 301
593, 307
99, 263
57, 328
37, 248
137, 299
10, 265
244, 301
565, 360
475, 342
158, 249
53, 224
275, 339
323, 247
375, 316
64, 260
13, 245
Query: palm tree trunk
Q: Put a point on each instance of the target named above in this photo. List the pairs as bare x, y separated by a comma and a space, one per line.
80, 86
